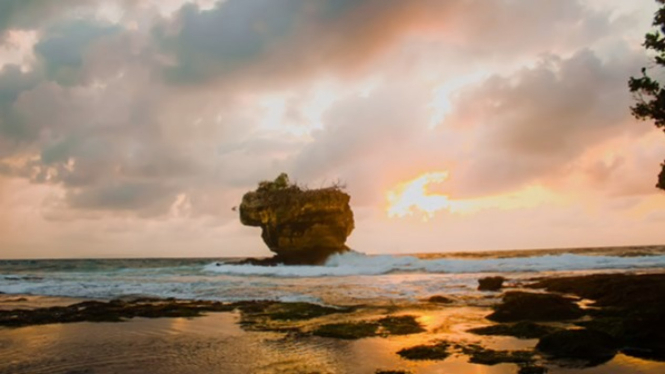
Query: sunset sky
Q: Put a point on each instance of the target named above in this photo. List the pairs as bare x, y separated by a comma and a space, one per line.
130, 128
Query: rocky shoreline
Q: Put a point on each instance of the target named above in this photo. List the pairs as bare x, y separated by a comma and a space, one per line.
581, 321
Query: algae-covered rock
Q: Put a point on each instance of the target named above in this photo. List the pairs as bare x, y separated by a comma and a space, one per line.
632, 308
490, 283
349, 330
484, 356
301, 226
532, 369
438, 351
522, 330
386, 326
593, 347
440, 299
526, 306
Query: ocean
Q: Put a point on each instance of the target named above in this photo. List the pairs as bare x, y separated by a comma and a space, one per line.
350, 278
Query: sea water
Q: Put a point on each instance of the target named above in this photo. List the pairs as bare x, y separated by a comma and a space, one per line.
348, 278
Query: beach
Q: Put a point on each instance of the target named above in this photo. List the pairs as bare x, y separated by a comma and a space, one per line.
340, 323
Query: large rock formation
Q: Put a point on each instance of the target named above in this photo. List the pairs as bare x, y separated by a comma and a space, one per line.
300, 226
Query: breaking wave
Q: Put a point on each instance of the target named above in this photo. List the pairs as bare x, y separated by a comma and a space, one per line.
354, 263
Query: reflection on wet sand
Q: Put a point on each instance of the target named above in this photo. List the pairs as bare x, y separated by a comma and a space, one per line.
217, 343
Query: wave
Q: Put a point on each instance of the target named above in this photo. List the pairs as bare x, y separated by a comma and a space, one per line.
354, 263
348, 278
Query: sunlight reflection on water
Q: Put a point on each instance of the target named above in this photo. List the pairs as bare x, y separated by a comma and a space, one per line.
216, 343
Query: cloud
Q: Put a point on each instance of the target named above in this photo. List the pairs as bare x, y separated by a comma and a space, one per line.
533, 123
146, 115
31, 14
14, 131
62, 50
267, 41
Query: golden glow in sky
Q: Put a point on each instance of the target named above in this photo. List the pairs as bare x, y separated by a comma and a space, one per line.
413, 197
492, 126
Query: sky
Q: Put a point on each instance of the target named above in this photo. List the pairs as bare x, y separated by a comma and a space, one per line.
130, 128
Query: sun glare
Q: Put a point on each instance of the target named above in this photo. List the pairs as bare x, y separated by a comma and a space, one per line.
413, 197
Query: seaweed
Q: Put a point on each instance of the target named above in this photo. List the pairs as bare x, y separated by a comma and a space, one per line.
522, 330
438, 351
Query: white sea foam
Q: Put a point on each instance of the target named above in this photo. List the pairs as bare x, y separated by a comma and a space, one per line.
354, 263
347, 278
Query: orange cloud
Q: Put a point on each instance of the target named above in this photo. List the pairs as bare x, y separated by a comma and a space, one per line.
414, 197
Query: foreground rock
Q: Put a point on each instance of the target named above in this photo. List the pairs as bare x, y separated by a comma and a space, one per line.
437, 351
282, 316
440, 299
490, 283
255, 314
386, 326
630, 308
484, 356
112, 311
528, 306
476, 353
588, 346
300, 226
521, 330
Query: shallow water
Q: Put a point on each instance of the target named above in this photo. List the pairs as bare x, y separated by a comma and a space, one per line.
215, 344
345, 279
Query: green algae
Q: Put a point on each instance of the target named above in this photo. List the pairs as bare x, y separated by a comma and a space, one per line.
386, 326
348, 331
400, 325
438, 351
522, 330
484, 356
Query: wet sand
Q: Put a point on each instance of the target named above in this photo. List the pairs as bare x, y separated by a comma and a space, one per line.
216, 343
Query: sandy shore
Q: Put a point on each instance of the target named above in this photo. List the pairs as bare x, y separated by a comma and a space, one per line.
265, 338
